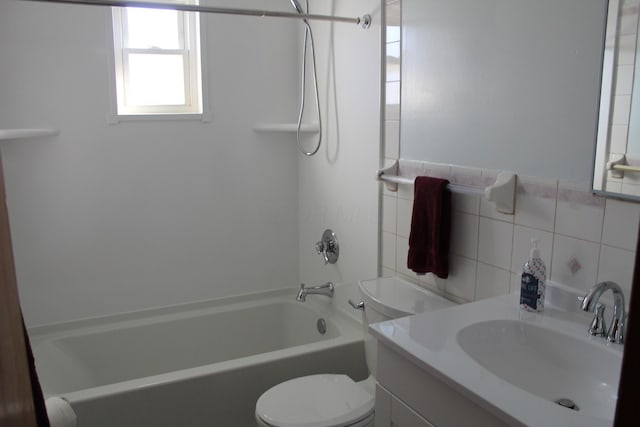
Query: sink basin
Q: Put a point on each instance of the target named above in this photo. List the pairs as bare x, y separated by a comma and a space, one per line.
546, 363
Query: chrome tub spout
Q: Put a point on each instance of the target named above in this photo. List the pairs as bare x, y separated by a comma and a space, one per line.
326, 289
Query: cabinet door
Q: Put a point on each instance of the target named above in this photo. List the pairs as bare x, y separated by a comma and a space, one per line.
392, 412
383, 407
403, 416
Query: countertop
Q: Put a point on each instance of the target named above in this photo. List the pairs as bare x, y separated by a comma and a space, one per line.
430, 341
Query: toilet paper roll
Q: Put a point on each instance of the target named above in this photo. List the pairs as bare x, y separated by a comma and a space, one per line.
60, 412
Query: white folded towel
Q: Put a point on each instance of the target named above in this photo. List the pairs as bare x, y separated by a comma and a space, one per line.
60, 412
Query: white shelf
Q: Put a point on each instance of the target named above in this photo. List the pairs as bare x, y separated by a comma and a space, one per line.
287, 127
8, 134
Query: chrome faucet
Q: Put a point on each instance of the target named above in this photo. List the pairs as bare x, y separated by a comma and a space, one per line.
590, 303
326, 289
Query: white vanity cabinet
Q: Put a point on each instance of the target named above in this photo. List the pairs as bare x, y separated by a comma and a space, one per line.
409, 396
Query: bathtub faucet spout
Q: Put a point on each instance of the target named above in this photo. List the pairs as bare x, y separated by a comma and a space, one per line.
326, 289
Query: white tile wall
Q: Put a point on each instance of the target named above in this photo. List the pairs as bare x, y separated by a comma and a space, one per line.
461, 282
616, 265
574, 262
389, 214
579, 214
495, 242
537, 203
582, 238
621, 224
464, 234
491, 281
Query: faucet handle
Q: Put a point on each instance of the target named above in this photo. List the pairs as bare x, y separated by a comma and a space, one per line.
322, 250
598, 326
356, 305
616, 331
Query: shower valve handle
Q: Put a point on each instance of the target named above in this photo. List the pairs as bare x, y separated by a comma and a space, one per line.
328, 247
322, 251
325, 248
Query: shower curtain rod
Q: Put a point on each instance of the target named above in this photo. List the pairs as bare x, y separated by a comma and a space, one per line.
364, 20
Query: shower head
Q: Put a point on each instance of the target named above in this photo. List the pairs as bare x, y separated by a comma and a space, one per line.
296, 4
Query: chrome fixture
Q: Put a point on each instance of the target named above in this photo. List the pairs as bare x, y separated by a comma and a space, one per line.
296, 5
364, 21
326, 289
590, 304
328, 247
308, 36
356, 306
598, 326
321, 324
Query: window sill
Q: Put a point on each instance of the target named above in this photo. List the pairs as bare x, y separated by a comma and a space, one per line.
115, 119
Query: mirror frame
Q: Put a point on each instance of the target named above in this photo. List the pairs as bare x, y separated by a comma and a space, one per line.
611, 45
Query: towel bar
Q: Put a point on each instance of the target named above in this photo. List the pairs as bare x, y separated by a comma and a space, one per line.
618, 165
501, 192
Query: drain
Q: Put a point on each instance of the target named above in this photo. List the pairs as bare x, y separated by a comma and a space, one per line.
322, 326
567, 403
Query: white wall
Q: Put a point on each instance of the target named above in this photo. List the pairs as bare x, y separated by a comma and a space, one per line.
111, 218
337, 188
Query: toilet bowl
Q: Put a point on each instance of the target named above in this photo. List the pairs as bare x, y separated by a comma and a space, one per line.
333, 400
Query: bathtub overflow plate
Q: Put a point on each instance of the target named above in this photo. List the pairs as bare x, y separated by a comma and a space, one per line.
322, 326
567, 403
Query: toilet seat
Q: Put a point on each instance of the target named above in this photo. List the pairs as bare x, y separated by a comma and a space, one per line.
325, 400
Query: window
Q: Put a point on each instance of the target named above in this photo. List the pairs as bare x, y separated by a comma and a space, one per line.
157, 62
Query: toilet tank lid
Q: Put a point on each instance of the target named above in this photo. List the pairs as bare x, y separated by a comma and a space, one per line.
395, 297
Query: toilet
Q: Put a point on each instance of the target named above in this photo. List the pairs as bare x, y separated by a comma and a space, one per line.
333, 400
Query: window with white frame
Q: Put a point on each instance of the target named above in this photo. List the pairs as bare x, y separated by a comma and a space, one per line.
157, 61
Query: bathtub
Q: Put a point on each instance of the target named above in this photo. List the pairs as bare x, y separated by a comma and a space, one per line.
201, 364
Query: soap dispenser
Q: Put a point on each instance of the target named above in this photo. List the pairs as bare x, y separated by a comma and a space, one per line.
532, 284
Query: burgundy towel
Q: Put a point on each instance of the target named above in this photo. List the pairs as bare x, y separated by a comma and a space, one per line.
430, 227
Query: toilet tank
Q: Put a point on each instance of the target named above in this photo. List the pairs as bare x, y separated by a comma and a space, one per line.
387, 298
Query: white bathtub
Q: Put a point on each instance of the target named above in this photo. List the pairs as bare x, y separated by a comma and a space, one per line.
202, 364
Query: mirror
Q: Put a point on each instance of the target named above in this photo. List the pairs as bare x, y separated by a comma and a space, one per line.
503, 85
617, 164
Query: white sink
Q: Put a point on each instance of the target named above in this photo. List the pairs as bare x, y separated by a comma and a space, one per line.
516, 364
549, 364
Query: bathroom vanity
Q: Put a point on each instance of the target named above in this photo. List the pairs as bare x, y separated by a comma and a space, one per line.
409, 395
490, 364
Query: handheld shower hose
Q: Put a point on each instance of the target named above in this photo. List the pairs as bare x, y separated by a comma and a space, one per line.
308, 35
296, 5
